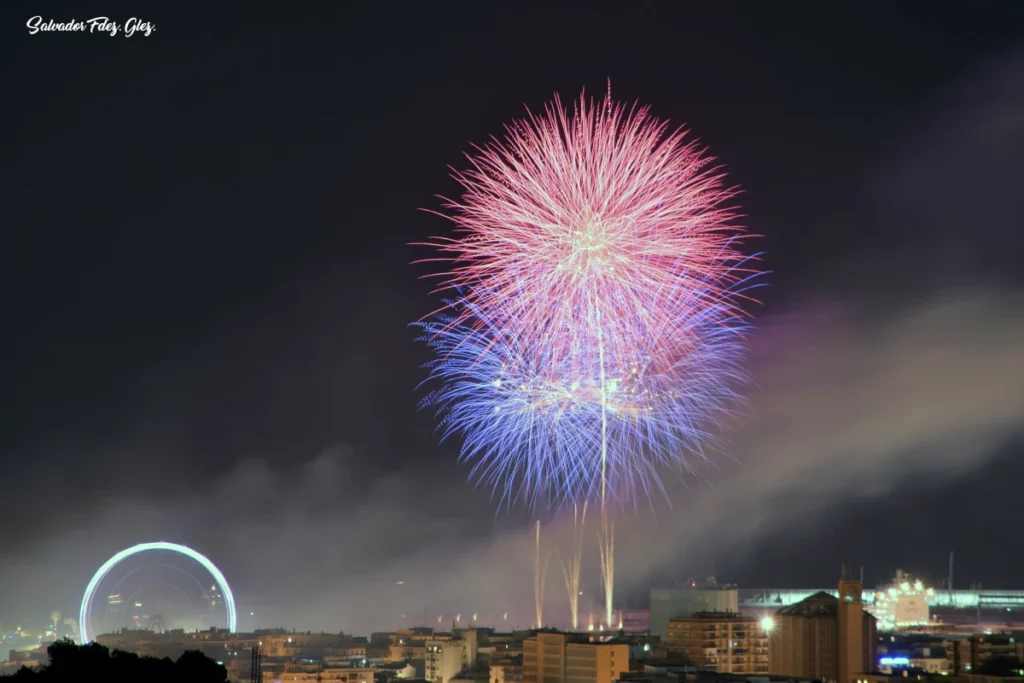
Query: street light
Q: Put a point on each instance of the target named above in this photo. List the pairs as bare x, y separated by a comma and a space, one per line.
767, 623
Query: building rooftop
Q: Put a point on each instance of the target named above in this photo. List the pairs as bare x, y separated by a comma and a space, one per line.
574, 637
710, 677
820, 604
715, 616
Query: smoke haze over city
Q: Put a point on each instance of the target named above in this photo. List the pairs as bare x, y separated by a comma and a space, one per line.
207, 295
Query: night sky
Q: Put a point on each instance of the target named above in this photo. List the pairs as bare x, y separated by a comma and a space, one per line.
206, 294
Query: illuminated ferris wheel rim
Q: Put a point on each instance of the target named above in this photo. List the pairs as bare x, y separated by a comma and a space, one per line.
101, 573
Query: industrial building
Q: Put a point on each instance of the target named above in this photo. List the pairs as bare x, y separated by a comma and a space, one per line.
824, 637
685, 601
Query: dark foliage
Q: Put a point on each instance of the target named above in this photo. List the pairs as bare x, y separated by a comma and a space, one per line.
94, 662
1000, 665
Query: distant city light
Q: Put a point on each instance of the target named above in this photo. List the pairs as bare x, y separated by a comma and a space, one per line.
894, 661
904, 604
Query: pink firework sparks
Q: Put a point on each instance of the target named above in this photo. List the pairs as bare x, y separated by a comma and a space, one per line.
596, 220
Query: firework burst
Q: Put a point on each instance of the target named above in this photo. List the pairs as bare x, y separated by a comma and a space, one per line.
532, 422
601, 220
594, 332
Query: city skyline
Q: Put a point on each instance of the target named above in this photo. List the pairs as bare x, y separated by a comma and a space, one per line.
754, 601
207, 296
709, 629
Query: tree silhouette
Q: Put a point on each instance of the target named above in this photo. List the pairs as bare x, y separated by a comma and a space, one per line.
1000, 665
193, 665
94, 662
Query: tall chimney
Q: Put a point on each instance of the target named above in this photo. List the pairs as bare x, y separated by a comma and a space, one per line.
850, 631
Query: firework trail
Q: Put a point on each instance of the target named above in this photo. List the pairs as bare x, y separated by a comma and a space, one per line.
594, 333
540, 574
571, 571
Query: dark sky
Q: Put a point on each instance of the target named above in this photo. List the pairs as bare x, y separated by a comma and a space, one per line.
206, 292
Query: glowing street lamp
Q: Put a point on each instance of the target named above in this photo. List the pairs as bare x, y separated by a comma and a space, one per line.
767, 624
